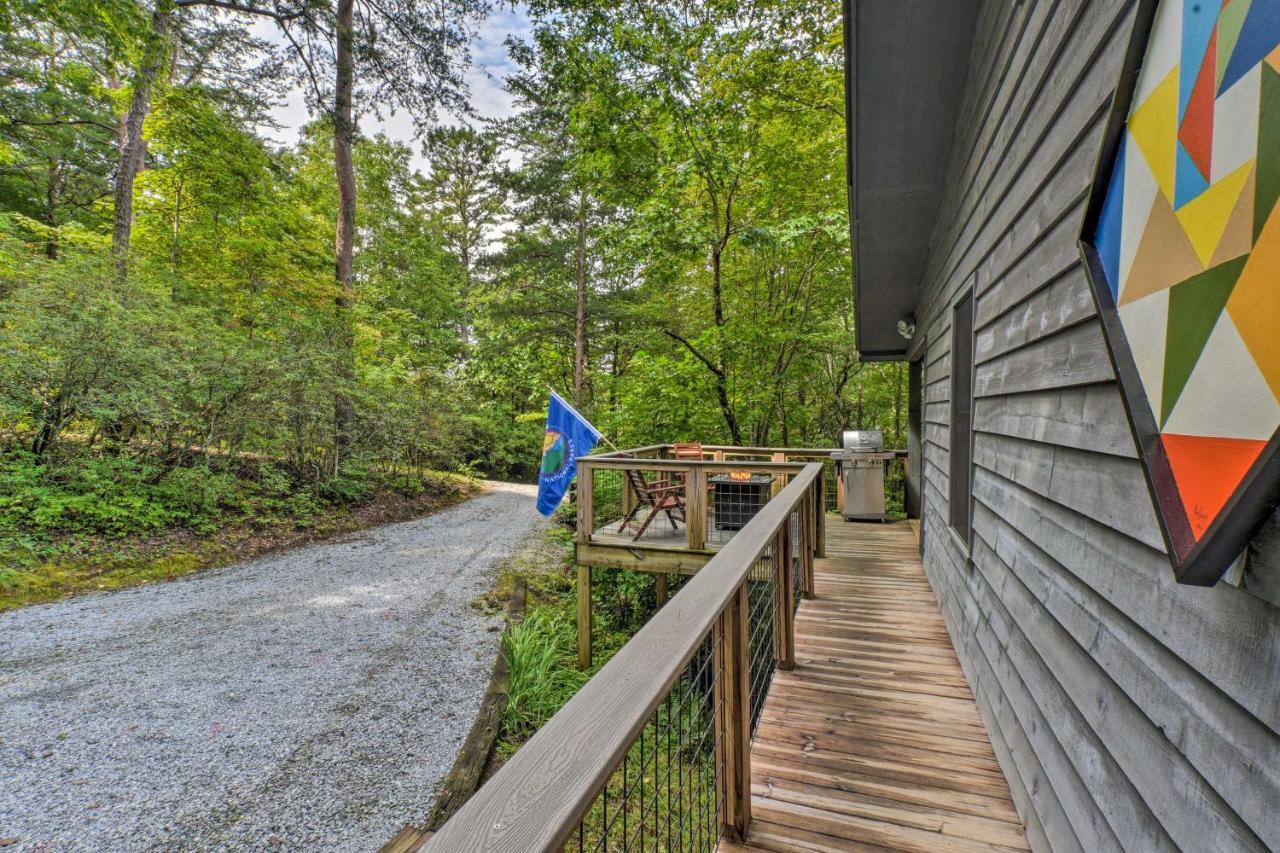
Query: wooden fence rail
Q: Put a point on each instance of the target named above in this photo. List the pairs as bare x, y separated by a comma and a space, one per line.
733, 623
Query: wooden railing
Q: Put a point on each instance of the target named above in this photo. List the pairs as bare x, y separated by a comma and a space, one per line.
654, 751
607, 498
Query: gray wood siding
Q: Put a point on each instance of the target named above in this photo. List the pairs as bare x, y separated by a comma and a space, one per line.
1127, 711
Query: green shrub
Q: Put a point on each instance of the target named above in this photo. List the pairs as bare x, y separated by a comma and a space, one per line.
86, 494
195, 496
345, 489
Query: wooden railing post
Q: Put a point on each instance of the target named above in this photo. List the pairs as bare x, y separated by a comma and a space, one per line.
695, 508
584, 617
784, 598
586, 523
734, 732
807, 548
586, 492
820, 546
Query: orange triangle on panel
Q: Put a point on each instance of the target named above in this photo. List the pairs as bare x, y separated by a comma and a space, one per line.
1165, 255
1196, 132
1254, 305
1208, 470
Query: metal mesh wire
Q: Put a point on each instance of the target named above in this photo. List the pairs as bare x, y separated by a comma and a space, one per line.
831, 485
762, 633
895, 487
797, 562
606, 497
665, 795
732, 503
643, 505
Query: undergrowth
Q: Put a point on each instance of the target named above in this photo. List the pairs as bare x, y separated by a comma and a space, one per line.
671, 763
90, 521
541, 650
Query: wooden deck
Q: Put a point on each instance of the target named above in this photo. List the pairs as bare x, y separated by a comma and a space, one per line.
873, 741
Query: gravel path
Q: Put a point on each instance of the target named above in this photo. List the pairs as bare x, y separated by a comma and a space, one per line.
306, 701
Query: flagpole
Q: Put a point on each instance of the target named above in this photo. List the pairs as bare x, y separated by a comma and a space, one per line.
603, 437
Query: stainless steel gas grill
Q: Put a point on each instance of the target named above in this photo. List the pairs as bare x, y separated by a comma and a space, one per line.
860, 466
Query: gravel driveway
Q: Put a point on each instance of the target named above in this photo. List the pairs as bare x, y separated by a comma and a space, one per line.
306, 701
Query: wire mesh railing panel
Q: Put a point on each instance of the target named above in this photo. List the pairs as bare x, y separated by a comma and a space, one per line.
640, 505
831, 487
762, 636
733, 499
797, 563
895, 487
666, 793
608, 497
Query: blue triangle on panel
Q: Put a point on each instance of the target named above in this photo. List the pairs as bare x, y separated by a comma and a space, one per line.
1199, 17
1188, 183
1107, 238
1258, 37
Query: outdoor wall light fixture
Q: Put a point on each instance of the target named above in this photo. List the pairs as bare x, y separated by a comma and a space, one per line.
907, 326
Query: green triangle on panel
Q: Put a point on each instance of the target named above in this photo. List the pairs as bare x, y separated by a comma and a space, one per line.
1268, 187
1194, 308
1230, 22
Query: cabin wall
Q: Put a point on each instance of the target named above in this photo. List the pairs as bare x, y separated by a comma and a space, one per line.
1127, 711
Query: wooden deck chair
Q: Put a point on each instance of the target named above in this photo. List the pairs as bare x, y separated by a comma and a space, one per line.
665, 495
688, 450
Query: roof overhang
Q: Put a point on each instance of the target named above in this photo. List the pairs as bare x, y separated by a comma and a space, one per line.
906, 62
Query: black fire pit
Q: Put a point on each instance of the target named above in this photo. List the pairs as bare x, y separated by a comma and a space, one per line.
737, 501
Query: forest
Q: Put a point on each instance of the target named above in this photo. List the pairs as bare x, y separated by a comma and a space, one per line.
203, 328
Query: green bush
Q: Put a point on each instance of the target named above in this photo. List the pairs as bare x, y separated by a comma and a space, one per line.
196, 496
86, 494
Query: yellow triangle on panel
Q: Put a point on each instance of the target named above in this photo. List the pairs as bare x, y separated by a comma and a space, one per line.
1154, 126
1204, 218
1237, 237
1253, 304
1273, 59
1165, 256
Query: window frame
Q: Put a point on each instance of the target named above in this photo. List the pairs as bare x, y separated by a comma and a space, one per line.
960, 426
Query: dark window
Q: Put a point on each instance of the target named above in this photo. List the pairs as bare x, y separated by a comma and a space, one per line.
961, 415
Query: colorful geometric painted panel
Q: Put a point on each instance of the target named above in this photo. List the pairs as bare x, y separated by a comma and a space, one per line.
1184, 242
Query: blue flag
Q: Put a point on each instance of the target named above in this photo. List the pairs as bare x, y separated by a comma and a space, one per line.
568, 436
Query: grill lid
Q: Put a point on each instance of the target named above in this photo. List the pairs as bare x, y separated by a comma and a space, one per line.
863, 440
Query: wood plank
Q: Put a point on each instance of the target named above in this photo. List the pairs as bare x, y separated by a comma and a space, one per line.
875, 737
986, 830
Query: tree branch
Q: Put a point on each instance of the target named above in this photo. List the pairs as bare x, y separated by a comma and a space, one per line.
696, 354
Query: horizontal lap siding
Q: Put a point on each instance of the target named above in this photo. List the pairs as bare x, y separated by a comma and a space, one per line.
1126, 710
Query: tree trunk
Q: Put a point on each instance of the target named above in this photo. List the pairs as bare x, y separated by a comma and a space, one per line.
344, 239
580, 311
52, 189
722, 377
133, 147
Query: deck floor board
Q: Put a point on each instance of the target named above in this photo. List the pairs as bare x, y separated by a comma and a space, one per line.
873, 741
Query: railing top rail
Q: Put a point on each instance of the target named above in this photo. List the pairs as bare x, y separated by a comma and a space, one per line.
725, 448
538, 796
761, 451
648, 448
686, 464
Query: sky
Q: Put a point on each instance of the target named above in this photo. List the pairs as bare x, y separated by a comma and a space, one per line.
490, 66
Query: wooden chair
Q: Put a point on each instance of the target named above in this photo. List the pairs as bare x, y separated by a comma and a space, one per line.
665, 495
688, 450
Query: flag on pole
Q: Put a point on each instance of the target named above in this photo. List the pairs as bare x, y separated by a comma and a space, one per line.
568, 436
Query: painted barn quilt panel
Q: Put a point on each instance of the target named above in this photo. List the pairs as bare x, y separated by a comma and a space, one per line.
1184, 249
